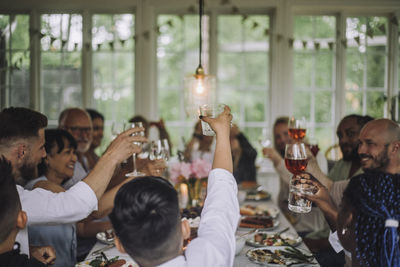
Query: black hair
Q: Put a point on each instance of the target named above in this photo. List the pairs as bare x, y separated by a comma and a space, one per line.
94, 114
55, 137
140, 118
375, 198
9, 199
20, 123
146, 219
360, 119
280, 120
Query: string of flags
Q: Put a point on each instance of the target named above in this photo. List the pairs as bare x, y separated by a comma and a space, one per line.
316, 44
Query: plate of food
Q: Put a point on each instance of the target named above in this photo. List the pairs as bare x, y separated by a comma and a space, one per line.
259, 210
281, 256
106, 237
99, 261
259, 222
257, 195
265, 238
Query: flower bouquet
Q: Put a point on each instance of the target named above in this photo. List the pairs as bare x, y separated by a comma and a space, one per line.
194, 174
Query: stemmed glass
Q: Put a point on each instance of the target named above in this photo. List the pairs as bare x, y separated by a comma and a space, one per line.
166, 149
136, 173
297, 128
117, 128
296, 163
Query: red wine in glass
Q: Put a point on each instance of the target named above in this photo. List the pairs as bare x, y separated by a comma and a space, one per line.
297, 133
296, 166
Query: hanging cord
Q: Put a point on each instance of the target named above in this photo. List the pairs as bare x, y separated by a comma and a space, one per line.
201, 6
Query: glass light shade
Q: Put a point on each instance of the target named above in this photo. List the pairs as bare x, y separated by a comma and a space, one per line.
198, 90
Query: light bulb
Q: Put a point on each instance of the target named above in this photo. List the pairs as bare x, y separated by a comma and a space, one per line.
199, 89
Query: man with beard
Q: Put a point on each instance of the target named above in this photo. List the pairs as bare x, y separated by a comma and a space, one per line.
22, 143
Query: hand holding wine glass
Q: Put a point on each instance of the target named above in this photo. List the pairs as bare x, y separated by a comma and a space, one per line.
136, 173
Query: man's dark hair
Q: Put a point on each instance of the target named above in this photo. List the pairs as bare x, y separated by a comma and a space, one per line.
146, 219
55, 137
94, 114
19, 122
361, 120
9, 199
280, 120
139, 118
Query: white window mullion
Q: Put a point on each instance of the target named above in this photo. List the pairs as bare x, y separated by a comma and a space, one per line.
87, 63
35, 92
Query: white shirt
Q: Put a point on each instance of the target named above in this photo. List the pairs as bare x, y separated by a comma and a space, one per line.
45, 207
215, 244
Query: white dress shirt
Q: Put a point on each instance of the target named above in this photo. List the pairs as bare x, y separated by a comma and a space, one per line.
215, 244
45, 207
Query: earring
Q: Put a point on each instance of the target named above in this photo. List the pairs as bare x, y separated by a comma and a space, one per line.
344, 231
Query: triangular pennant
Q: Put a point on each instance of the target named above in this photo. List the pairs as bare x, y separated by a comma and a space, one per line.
244, 18
42, 35
192, 9
357, 39
255, 25
99, 47
382, 28
52, 39
63, 43
157, 29
170, 22
304, 44
317, 45
75, 46
330, 45
122, 41
344, 43
111, 45
235, 10
291, 42
20, 60
266, 32
370, 31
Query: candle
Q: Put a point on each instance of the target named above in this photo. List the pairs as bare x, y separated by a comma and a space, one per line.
184, 197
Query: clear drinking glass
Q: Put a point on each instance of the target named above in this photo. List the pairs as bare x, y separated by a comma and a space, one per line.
166, 149
117, 128
297, 128
136, 173
296, 163
212, 111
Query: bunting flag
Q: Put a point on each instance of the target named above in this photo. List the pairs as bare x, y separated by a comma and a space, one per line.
344, 43
255, 25
52, 40
317, 45
75, 46
111, 45
63, 43
266, 32
170, 23
304, 44
291, 42
330, 45
357, 39
99, 46
244, 18
122, 41
157, 29
42, 35
382, 28
192, 9
370, 31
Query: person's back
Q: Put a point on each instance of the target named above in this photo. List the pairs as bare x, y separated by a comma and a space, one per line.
12, 218
147, 222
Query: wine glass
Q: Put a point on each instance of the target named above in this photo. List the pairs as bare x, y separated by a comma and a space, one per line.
166, 149
297, 128
117, 128
135, 173
296, 163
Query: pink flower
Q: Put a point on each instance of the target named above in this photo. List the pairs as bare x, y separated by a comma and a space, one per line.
200, 168
179, 169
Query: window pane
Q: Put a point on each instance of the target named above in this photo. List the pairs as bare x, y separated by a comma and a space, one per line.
314, 69
366, 58
14, 60
60, 63
243, 70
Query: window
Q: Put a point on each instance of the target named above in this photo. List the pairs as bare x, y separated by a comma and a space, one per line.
177, 56
113, 68
14, 60
366, 57
243, 70
314, 75
60, 63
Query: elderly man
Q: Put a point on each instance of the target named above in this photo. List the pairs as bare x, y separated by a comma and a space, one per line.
22, 143
79, 124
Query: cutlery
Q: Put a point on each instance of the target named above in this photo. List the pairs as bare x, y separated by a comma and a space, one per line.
282, 231
99, 251
244, 234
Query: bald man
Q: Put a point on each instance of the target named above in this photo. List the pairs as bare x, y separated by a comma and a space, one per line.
78, 123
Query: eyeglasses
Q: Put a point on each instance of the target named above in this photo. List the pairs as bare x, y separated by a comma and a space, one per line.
76, 130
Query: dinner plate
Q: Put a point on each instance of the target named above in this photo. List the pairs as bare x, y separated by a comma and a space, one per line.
260, 256
259, 210
86, 263
275, 223
291, 239
103, 237
259, 195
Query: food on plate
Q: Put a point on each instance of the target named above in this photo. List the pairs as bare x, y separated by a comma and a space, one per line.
256, 222
258, 195
191, 213
114, 262
273, 239
280, 255
106, 237
259, 210
248, 185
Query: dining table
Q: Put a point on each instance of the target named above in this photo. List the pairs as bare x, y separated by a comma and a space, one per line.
241, 259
